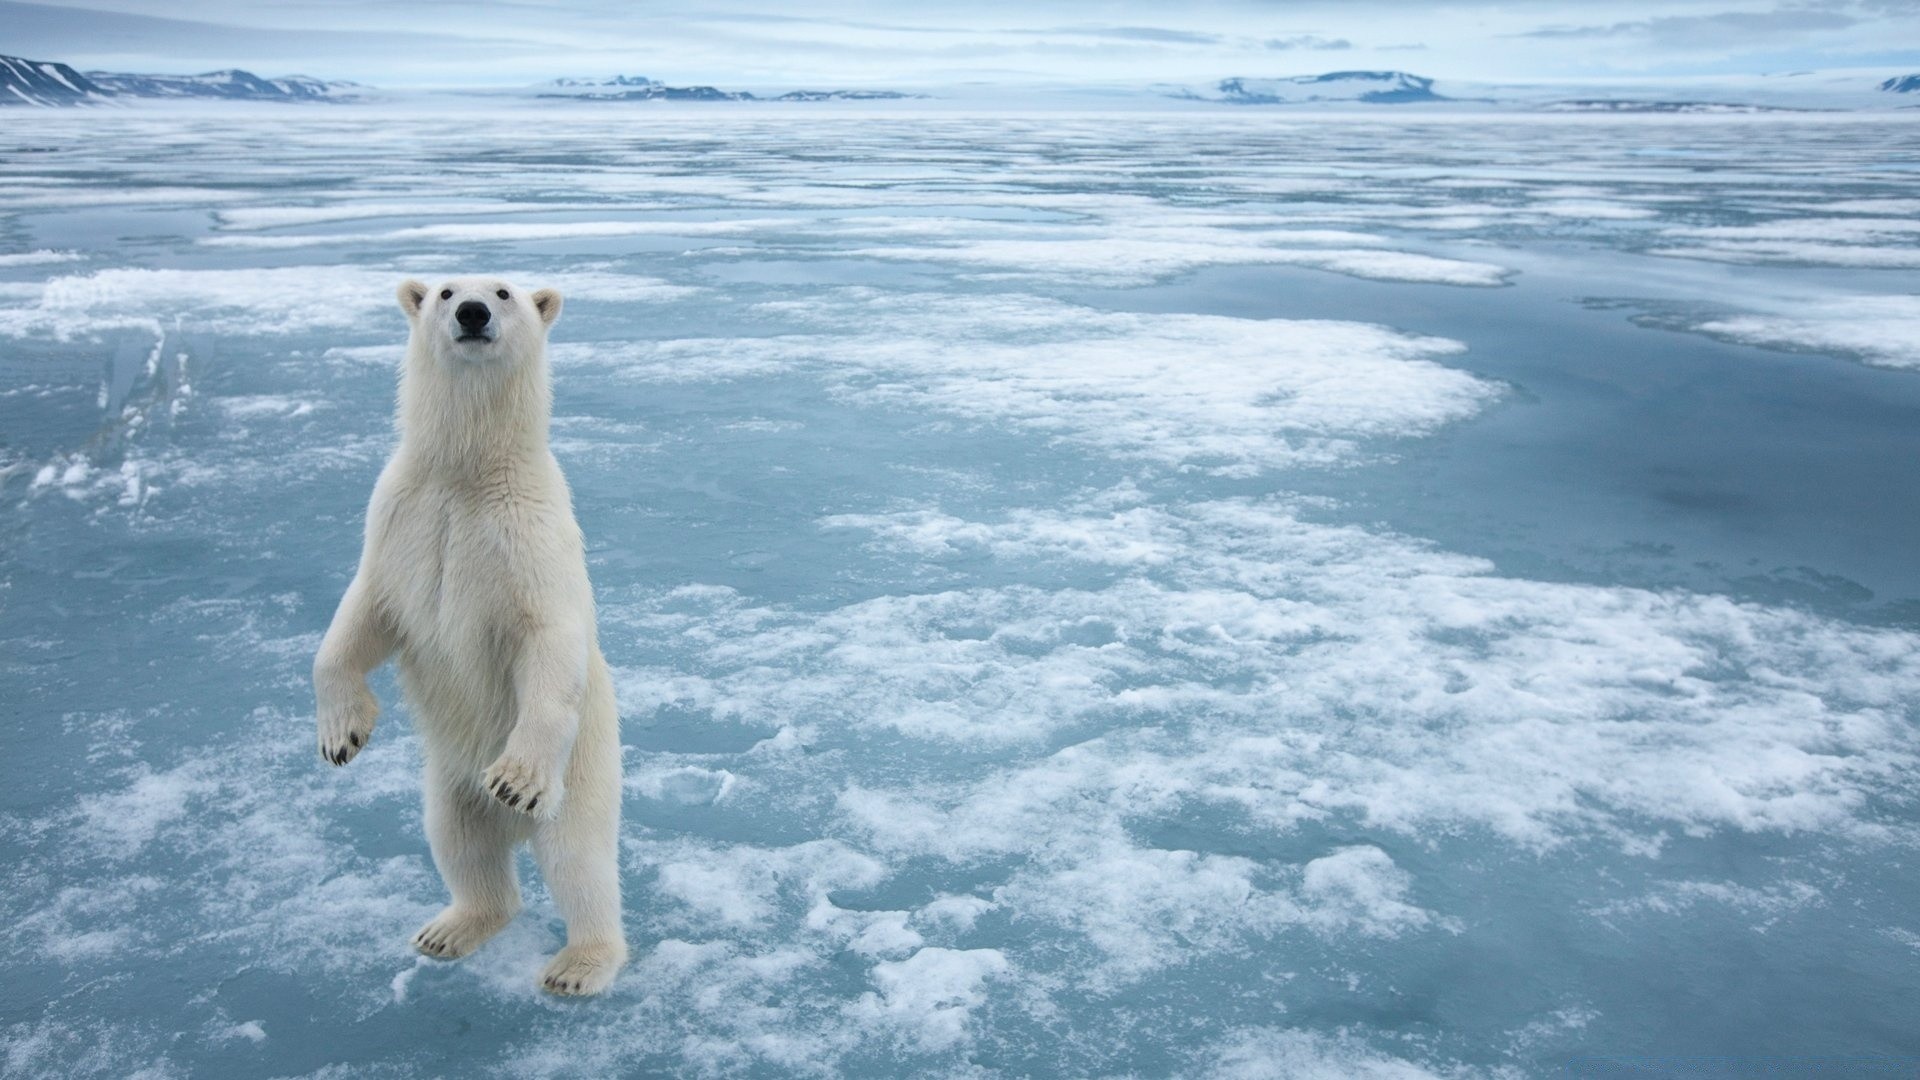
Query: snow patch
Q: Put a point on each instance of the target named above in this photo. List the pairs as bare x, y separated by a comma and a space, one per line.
931, 995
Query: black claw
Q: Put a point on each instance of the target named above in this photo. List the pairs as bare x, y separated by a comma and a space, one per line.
515, 801
355, 738
533, 802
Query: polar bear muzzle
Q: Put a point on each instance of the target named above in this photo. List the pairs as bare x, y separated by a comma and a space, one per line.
474, 318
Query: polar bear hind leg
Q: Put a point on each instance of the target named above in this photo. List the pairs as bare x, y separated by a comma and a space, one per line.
578, 852
472, 838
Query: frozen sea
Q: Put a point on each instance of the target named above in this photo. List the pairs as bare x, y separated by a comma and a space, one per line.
1202, 593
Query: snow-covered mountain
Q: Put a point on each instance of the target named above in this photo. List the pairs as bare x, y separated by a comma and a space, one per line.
641, 88
44, 82
634, 88
48, 82
232, 84
1840, 89
844, 95
616, 80
1368, 87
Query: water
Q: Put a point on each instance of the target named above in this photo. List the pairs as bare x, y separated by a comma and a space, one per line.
1164, 594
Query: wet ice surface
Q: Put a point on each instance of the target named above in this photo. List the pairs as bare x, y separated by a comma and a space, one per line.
1088, 595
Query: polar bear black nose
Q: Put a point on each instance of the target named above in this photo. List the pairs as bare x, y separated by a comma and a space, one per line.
472, 315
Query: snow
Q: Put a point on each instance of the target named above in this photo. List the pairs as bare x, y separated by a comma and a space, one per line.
1880, 330
36, 258
931, 994
1139, 256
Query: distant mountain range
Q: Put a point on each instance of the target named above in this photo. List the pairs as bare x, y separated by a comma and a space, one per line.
51, 83
46, 82
1801, 90
232, 84
43, 82
1367, 87
641, 88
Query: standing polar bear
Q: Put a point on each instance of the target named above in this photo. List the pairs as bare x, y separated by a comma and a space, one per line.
474, 576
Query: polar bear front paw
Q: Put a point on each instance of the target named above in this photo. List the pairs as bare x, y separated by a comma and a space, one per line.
523, 786
346, 722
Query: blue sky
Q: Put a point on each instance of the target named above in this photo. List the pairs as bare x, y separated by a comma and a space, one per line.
902, 42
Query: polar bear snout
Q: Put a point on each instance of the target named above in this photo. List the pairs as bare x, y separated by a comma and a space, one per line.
473, 317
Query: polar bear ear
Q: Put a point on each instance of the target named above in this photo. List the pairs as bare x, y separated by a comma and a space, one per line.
412, 294
547, 303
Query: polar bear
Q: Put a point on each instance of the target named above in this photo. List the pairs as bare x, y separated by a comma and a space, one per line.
474, 576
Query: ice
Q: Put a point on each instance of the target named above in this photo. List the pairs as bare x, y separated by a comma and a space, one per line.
931, 994
1880, 330
1088, 594
1867, 241
1126, 260
483, 232
1234, 394
278, 300
38, 258
274, 217
1309, 1055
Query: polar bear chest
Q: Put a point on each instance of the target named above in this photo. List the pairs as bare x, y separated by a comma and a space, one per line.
446, 579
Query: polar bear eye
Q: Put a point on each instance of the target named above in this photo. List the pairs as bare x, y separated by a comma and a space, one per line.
502, 294
446, 294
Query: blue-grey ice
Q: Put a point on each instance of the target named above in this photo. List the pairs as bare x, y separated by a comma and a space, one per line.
1208, 594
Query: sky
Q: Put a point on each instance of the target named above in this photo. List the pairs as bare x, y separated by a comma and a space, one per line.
757, 44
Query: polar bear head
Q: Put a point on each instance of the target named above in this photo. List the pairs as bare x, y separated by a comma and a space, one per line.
479, 319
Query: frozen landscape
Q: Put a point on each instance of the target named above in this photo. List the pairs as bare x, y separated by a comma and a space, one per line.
1213, 593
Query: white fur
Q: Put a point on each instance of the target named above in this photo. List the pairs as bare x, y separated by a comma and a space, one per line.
474, 577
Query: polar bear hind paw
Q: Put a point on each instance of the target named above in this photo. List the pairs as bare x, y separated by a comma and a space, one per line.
582, 970
456, 932
519, 786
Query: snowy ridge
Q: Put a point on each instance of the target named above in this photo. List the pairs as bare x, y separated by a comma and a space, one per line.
1370, 87
231, 84
641, 88
49, 83
44, 82
1797, 90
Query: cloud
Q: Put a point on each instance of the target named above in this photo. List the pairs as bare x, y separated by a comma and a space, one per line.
1307, 41
1134, 33
1721, 29
61, 33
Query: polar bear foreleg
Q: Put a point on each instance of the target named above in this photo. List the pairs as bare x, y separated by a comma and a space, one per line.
549, 681
358, 640
472, 838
